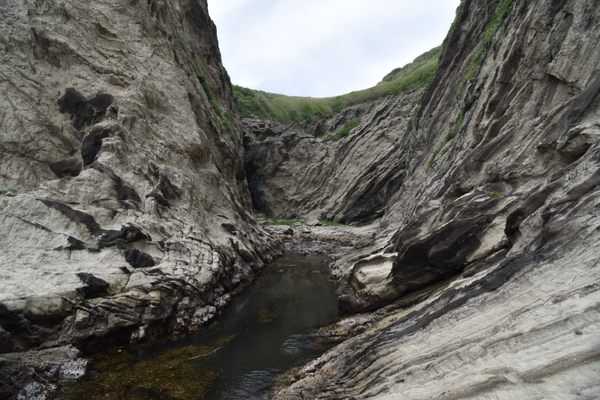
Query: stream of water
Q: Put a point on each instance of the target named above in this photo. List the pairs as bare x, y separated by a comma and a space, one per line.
264, 332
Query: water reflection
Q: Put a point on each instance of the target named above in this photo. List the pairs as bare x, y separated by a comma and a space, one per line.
263, 333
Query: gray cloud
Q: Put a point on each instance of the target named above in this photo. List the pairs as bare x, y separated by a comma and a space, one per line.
325, 47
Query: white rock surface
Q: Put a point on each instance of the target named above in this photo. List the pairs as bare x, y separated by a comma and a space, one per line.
504, 217
123, 201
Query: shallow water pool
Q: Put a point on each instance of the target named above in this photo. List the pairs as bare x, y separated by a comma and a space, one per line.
264, 332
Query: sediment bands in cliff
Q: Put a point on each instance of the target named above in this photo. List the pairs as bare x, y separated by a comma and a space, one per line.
123, 207
332, 158
495, 221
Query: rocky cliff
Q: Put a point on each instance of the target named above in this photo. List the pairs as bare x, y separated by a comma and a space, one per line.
496, 220
126, 211
329, 158
296, 172
124, 208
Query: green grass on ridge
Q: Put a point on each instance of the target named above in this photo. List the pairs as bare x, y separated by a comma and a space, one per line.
293, 109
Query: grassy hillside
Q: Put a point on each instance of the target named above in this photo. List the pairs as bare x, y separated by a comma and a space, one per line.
418, 62
255, 103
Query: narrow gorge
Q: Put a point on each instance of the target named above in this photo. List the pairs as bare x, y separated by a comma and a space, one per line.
456, 203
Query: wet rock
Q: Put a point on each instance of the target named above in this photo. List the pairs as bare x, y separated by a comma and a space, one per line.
344, 329
36, 374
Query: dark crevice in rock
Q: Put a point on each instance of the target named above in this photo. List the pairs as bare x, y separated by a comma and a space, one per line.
440, 254
108, 238
256, 182
68, 167
94, 287
35, 224
527, 206
136, 258
24, 335
75, 244
231, 228
128, 233
123, 191
83, 111
556, 7
165, 191
92, 144
74, 215
370, 205
160, 199
169, 190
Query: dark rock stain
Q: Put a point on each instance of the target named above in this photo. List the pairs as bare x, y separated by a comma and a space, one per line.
83, 111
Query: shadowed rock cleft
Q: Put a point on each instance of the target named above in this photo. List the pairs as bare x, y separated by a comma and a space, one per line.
94, 287
137, 258
83, 111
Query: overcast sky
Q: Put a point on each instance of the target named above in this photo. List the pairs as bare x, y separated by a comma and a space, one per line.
324, 47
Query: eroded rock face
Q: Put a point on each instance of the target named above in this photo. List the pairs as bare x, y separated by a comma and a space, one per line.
34, 374
124, 208
500, 198
124, 162
294, 172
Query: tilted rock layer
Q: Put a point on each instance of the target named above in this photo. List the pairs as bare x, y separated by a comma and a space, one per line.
501, 201
296, 172
123, 198
124, 207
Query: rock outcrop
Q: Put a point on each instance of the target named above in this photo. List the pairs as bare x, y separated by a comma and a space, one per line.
294, 171
123, 206
500, 207
125, 210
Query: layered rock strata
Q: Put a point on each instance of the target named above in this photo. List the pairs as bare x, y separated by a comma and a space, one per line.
295, 171
125, 210
123, 202
500, 200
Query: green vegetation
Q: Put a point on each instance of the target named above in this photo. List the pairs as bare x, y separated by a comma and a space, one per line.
457, 15
473, 67
8, 192
278, 221
201, 78
418, 62
211, 99
119, 374
447, 139
290, 109
502, 11
344, 131
495, 194
182, 43
456, 128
